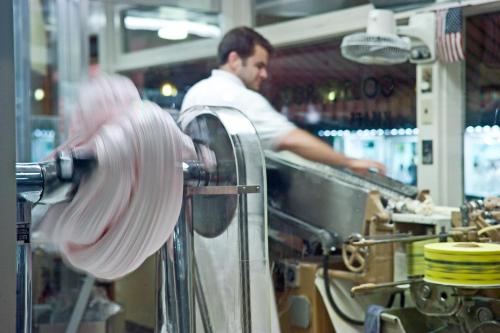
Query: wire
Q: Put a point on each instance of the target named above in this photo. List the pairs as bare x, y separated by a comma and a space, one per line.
329, 296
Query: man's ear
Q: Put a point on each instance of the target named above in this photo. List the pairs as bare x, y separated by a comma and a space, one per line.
234, 60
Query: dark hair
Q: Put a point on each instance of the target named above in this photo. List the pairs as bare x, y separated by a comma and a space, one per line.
242, 40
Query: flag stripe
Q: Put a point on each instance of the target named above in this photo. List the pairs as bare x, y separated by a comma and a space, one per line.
449, 35
452, 47
460, 47
438, 35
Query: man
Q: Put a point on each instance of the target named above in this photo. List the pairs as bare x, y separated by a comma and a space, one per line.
243, 56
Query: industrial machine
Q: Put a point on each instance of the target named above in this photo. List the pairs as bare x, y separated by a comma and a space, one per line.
222, 230
380, 230
38, 183
223, 203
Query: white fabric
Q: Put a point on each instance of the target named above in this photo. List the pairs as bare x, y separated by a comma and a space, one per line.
127, 208
225, 89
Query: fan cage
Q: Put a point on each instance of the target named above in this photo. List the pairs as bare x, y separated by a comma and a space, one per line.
371, 49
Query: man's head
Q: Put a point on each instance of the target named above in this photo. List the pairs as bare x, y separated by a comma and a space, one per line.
245, 53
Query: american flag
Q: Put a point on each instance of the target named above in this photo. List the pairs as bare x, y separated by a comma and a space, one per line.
449, 35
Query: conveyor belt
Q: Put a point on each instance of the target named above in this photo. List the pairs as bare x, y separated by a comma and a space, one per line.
329, 198
388, 187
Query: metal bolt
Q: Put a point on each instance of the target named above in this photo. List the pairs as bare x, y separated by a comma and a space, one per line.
484, 314
426, 291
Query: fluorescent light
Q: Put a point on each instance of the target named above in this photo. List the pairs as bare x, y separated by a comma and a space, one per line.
143, 23
203, 29
173, 32
187, 27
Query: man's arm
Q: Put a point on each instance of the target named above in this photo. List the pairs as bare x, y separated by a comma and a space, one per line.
310, 147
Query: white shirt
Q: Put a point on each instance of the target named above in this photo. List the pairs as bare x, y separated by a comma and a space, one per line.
223, 88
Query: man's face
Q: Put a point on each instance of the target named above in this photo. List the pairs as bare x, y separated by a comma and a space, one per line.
253, 69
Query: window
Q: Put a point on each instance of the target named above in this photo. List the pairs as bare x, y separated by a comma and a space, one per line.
363, 111
274, 11
146, 27
482, 115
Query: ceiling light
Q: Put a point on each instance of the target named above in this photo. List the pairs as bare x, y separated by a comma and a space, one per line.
172, 29
143, 23
39, 94
173, 32
203, 29
169, 90
332, 95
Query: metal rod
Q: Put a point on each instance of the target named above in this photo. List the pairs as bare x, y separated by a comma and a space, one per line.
8, 153
223, 190
367, 288
23, 268
194, 173
246, 315
183, 263
33, 181
166, 311
202, 302
369, 242
29, 181
23, 78
80, 305
328, 240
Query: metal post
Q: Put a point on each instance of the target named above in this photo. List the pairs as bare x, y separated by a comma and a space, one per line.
174, 280
81, 304
7, 171
175, 283
72, 53
246, 317
166, 314
183, 263
24, 273
440, 123
23, 79
202, 301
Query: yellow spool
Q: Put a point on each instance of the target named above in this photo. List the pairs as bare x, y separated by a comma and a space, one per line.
415, 257
463, 264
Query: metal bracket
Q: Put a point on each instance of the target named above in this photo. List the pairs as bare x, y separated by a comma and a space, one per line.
223, 190
436, 300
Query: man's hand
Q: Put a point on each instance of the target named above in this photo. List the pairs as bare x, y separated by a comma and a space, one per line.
364, 166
